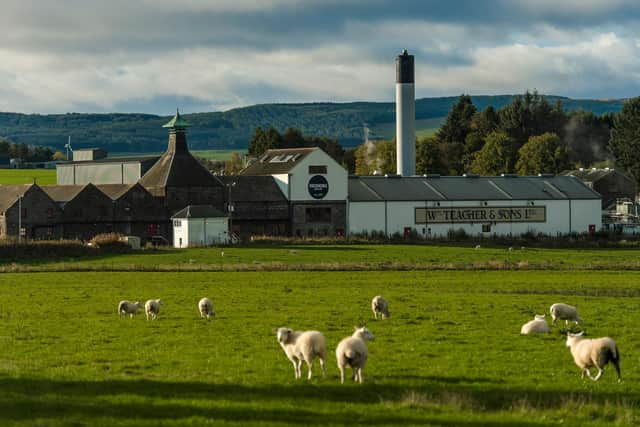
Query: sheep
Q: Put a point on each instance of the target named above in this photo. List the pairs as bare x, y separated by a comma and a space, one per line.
379, 305
352, 352
564, 312
152, 308
478, 246
127, 307
597, 352
304, 346
536, 326
205, 307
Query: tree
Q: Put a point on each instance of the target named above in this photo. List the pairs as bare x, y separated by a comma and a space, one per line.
428, 156
458, 121
59, 155
542, 154
496, 157
587, 137
234, 164
625, 138
376, 157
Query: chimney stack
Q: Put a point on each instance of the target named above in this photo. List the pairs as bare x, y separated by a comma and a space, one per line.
405, 115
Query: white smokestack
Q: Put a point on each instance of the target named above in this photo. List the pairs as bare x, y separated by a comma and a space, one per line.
405, 115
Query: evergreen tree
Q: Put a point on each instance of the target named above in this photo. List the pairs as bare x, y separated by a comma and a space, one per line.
496, 157
625, 138
428, 156
458, 121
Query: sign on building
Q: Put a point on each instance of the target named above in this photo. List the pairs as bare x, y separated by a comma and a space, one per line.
481, 214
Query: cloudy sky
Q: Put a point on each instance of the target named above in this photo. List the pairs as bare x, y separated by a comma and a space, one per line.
207, 55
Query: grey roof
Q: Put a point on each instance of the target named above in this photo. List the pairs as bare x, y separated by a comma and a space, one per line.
9, 194
63, 193
199, 211
115, 191
279, 161
594, 174
254, 188
459, 188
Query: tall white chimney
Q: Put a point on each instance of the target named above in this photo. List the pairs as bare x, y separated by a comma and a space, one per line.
405, 115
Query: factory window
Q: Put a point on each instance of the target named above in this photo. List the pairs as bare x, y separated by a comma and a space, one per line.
317, 169
318, 214
177, 223
486, 228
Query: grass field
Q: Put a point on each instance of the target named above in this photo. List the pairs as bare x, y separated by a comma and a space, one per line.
450, 355
27, 176
344, 257
424, 127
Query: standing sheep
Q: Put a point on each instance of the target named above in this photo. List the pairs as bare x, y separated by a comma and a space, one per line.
304, 346
152, 308
380, 305
205, 307
536, 326
564, 312
352, 352
597, 352
127, 307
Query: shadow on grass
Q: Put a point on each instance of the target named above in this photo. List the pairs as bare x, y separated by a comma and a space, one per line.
376, 404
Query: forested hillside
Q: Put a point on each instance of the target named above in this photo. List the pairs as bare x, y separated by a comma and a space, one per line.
233, 129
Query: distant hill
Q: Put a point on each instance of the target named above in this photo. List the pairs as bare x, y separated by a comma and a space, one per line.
232, 129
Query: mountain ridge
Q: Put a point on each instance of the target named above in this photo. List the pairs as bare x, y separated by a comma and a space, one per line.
232, 129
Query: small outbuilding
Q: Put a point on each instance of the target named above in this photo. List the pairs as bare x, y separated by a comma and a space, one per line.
200, 225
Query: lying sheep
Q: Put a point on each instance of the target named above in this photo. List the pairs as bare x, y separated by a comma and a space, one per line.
564, 312
304, 346
379, 305
205, 307
352, 352
597, 352
536, 326
127, 307
152, 308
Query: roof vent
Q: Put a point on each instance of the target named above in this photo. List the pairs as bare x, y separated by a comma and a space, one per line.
392, 175
509, 175
471, 175
546, 175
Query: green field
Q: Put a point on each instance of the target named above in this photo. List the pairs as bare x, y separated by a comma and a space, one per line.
424, 127
222, 155
450, 355
27, 176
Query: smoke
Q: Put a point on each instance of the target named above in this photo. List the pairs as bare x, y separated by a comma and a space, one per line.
587, 140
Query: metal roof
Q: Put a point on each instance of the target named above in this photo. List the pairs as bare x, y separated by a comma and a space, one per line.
132, 159
9, 194
63, 193
177, 122
253, 188
115, 191
280, 161
595, 174
460, 188
199, 211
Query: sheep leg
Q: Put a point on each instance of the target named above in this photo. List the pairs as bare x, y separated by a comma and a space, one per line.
298, 368
375, 315
359, 375
324, 369
310, 367
588, 372
599, 374
341, 373
295, 368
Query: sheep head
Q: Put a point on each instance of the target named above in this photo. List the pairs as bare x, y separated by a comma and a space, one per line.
364, 333
573, 338
283, 335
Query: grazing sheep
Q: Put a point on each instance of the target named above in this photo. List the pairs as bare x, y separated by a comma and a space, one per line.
478, 246
536, 326
352, 352
380, 305
152, 308
304, 346
597, 352
564, 312
127, 307
205, 307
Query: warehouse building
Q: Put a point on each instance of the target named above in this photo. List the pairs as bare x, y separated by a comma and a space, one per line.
433, 206
610, 183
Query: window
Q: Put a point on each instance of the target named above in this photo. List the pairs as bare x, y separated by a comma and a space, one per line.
177, 223
317, 169
486, 228
318, 214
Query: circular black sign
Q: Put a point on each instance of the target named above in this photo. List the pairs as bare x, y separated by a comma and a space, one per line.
318, 186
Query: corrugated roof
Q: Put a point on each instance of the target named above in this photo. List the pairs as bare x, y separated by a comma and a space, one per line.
63, 193
132, 159
453, 188
199, 211
254, 189
594, 174
9, 194
280, 161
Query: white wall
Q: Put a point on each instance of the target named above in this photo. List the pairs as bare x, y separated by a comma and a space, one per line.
560, 218
200, 232
336, 176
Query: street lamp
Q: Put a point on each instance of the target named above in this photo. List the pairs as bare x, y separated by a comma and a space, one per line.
230, 209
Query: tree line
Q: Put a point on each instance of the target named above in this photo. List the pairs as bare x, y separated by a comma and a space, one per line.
24, 152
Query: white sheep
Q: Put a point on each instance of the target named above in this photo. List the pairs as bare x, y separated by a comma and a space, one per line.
352, 352
127, 307
379, 305
205, 307
152, 308
597, 352
536, 326
304, 346
564, 312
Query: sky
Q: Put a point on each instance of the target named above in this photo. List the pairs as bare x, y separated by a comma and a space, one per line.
151, 56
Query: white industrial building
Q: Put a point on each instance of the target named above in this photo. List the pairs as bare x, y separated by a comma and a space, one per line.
432, 206
200, 225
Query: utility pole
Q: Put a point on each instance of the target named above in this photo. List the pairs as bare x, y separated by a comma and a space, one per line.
20, 219
230, 210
